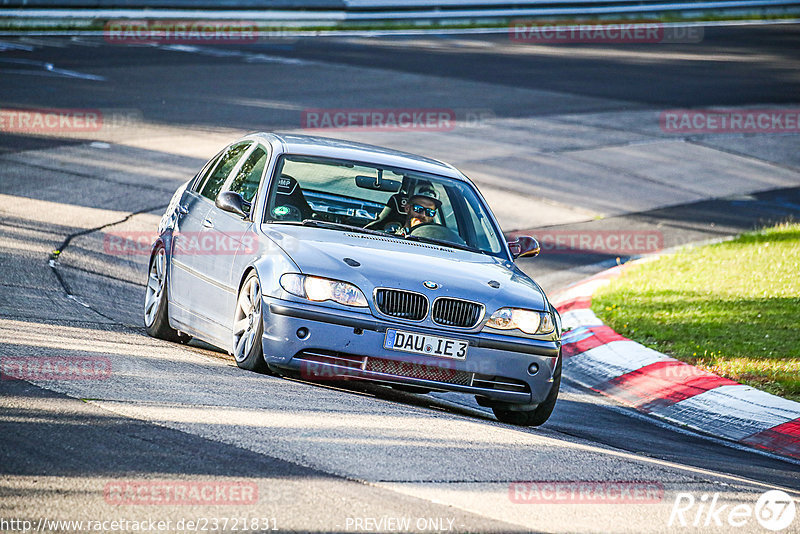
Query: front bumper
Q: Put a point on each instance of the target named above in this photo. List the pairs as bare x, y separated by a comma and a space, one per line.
342, 344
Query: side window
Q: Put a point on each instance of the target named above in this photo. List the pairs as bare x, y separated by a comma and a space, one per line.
249, 176
200, 178
213, 183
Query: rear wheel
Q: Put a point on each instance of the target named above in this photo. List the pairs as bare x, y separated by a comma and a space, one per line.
156, 308
248, 327
537, 416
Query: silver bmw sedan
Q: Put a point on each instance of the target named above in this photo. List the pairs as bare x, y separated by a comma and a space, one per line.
333, 260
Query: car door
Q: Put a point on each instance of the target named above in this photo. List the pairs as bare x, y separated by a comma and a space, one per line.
234, 233
191, 212
192, 287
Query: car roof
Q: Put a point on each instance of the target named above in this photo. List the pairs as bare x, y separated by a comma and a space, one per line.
310, 145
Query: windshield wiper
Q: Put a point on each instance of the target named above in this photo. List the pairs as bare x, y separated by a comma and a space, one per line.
341, 226
444, 243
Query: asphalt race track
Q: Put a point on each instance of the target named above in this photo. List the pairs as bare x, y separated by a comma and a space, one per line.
561, 139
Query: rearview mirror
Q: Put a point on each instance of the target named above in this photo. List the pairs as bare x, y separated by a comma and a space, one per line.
379, 183
232, 203
523, 246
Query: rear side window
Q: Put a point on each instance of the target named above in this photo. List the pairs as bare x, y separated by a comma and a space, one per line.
200, 178
249, 176
214, 181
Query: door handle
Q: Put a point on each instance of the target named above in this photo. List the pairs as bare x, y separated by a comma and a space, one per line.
208, 223
183, 210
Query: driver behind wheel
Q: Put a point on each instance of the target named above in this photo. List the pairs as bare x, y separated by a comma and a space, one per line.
421, 208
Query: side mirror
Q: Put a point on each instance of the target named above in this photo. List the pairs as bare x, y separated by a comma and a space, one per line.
232, 203
524, 246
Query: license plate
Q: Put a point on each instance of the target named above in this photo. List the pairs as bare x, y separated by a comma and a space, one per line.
424, 344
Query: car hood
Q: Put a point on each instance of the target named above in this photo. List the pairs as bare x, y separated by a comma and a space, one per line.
404, 264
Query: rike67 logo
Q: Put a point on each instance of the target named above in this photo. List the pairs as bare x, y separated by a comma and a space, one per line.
774, 510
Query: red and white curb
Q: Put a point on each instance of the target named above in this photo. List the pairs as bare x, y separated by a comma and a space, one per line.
597, 357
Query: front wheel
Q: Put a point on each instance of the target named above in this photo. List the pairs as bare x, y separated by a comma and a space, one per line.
248, 327
537, 416
156, 309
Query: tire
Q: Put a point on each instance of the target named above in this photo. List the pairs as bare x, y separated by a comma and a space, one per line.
540, 414
248, 327
156, 307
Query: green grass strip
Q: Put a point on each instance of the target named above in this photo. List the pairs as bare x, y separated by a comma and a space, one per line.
731, 308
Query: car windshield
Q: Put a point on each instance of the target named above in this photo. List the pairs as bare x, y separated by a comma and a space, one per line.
398, 202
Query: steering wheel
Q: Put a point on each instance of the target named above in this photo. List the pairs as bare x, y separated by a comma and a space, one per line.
437, 231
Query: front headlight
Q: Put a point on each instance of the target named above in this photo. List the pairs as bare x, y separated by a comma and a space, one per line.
321, 289
529, 321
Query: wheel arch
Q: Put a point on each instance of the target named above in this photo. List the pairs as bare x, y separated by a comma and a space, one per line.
249, 269
164, 240
269, 267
